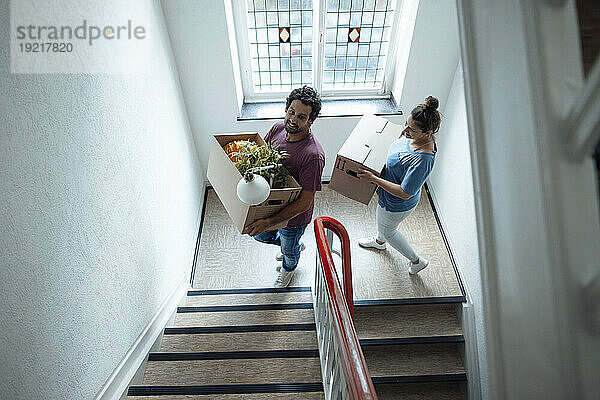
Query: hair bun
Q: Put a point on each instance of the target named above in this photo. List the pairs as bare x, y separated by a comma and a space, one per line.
431, 103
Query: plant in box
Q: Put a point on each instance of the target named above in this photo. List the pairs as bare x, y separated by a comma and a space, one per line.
246, 154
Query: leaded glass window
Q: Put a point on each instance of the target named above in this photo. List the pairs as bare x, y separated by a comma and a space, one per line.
357, 37
334, 45
281, 38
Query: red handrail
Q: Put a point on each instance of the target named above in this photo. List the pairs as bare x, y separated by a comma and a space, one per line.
324, 251
358, 379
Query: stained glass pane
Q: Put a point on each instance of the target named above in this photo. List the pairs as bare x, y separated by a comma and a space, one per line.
280, 34
356, 43
359, 29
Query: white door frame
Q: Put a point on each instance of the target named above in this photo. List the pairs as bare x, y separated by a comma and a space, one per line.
531, 120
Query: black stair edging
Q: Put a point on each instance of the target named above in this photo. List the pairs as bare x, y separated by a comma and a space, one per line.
140, 390
411, 301
233, 355
419, 378
210, 292
238, 329
247, 307
198, 238
446, 242
412, 340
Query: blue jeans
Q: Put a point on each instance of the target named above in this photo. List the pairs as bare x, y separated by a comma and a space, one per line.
289, 241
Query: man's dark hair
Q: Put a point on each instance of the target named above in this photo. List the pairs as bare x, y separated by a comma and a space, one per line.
309, 97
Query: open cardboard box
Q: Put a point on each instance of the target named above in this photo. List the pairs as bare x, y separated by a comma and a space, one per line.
224, 177
366, 148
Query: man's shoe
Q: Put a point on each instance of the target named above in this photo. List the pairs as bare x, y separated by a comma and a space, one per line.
371, 243
414, 269
284, 278
279, 257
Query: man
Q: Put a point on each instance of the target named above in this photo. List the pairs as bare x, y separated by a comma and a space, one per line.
305, 163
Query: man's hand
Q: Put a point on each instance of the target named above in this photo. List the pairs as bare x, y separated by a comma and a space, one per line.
364, 174
259, 226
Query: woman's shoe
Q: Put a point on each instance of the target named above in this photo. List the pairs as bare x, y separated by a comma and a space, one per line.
414, 269
371, 243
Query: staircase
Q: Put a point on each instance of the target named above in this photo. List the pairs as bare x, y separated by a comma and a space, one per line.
237, 344
413, 351
261, 344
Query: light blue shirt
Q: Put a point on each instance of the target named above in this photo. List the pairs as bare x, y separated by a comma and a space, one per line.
407, 168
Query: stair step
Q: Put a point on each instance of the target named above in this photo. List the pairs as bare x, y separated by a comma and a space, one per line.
421, 391
412, 340
251, 341
410, 362
194, 330
208, 292
246, 396
294, 391
422, 320
232, 355
252, 298
237, 318
245, 307
233, 371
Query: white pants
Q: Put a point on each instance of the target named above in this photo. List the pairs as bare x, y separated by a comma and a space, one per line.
387, 231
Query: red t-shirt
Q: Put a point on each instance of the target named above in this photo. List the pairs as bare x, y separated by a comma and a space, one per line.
305, 163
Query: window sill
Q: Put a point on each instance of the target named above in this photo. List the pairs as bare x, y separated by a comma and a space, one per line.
331, 108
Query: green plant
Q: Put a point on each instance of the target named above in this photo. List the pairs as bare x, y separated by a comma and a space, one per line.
253, 155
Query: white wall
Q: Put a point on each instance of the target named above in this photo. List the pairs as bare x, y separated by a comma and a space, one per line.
451, 184
101, 191
433, 53
201, 46
536, 207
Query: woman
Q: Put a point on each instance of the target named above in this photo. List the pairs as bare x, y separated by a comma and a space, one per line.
410, 160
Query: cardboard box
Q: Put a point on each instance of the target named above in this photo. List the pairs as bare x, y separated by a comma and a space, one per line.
366, 148
224, 177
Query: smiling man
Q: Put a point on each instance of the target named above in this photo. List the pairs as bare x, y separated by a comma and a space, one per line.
305, 163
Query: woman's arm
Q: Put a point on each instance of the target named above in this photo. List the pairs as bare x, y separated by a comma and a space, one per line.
392, 188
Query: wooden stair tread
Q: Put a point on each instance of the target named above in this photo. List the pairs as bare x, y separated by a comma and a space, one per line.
246, 396
261, 317
404, 362
406, 321
422, 391
246, 341
413, 360
233, 371
252, 298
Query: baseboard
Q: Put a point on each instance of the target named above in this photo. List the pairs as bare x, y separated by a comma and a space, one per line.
471, 353
438, 219
119, 381
466, 315
199, 225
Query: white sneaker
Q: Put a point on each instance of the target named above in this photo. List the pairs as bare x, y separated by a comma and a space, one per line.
414, 269
371, 242
279, 257
284, 278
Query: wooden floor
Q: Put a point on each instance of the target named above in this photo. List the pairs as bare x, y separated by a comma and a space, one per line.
227, 259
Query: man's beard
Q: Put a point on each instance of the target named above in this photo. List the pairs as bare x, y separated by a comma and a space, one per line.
292, 131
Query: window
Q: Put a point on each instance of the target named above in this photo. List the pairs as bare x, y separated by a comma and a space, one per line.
341, 47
